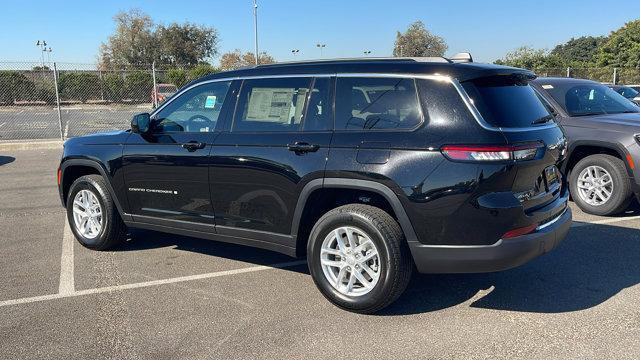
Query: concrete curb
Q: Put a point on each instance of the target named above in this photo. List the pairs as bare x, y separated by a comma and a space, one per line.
30, 145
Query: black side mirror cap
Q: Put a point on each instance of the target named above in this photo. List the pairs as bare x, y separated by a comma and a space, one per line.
141, 123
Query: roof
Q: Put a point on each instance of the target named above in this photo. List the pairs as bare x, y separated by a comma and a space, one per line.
427, 66
565, 80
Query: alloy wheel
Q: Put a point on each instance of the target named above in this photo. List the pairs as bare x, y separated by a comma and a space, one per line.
595, 185
87, 214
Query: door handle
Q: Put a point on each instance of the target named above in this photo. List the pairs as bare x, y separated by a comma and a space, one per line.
300, 147
194, 145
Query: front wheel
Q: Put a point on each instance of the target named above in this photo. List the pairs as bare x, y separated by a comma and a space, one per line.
358, 258
600, 185
92, 214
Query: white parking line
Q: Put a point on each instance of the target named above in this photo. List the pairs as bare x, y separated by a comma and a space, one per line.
67, 279
605, 221
109, 289
1, 125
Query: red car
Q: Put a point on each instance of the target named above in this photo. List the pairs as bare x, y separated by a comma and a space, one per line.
161, 92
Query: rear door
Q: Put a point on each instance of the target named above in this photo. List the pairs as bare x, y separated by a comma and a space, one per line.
166, 170
277, 142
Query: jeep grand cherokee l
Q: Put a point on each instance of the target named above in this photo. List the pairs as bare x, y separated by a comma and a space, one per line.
367, 167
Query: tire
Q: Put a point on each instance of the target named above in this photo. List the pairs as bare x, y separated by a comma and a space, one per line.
621, 191
394, 264
112, 231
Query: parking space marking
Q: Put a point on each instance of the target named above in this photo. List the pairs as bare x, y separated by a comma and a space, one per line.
1, 125
604, 221
114, 288
67, 279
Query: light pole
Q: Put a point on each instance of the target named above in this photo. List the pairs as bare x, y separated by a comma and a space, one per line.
320, 46
255, 27
42, 45
48, 51
295, 52
367, 52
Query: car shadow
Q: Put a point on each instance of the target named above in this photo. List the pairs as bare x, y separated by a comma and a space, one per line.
593, 264
6, 160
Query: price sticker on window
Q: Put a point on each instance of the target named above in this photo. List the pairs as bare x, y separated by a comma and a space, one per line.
210, 102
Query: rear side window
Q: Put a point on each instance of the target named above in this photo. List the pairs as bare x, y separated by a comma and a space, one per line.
272, 104
376, 104
506, 101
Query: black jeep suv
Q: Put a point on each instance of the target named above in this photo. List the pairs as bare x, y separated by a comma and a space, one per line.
367, 167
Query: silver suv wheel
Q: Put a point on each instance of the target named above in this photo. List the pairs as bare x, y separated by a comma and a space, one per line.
350, 261
595, 185
87, 214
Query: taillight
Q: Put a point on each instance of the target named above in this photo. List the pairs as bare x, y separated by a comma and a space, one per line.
518, 152
59, 176
520, 231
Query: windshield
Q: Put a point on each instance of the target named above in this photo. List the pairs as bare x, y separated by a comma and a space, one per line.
627, 92
506, 101
583, 99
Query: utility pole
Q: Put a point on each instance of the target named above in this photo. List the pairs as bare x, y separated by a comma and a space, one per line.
367, 52
255, 28
43, 46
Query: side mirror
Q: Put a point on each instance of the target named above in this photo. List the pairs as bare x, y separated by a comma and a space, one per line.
140, 123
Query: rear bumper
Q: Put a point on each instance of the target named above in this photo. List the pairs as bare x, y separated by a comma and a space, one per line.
502, 255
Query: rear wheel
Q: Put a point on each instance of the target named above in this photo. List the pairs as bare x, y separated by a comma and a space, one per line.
358, 258
92, 214
600, 185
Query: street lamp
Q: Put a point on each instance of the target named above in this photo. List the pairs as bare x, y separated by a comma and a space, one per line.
321, 46
48, 51
43, 46
295, 52
367, 52
255, 27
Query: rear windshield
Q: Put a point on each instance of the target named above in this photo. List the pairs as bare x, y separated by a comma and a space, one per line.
506, 101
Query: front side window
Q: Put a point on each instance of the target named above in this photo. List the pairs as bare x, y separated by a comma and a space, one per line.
586, 99
196, 110
376, 104
272, 104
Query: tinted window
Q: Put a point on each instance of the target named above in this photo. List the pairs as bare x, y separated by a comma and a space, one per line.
376, 103
506, 101
627, 92
582, 99
272, 104
196, 110
319, 110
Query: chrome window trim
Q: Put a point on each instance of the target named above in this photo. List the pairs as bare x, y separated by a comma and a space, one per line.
436, 77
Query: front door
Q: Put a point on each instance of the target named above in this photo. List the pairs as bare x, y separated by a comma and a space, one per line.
166, 169
278, 142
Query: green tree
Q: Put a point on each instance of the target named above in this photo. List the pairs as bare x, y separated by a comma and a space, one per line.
186, 44
138, 86
80, 86
201, 70
417, 41
113, 87
177, 77
527, 57
15, 87
579, 50
133, 42
622, 48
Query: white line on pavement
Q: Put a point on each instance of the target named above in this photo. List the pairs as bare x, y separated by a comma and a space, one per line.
67, 279
109, 289
1, 125
605, 221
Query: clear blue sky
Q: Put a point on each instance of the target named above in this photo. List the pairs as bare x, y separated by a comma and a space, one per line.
488, 29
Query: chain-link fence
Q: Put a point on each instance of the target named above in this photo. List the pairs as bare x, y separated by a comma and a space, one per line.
62, 100
608, 75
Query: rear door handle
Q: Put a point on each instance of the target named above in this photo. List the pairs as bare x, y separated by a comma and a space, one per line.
194, 145
300, 147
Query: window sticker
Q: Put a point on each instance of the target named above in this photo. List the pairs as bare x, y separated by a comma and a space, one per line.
547, 87
270, 104
210, 102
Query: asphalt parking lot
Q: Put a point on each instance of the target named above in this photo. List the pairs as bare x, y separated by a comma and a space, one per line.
41, 122
164, 296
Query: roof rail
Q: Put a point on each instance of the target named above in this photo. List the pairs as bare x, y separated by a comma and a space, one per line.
358, 59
